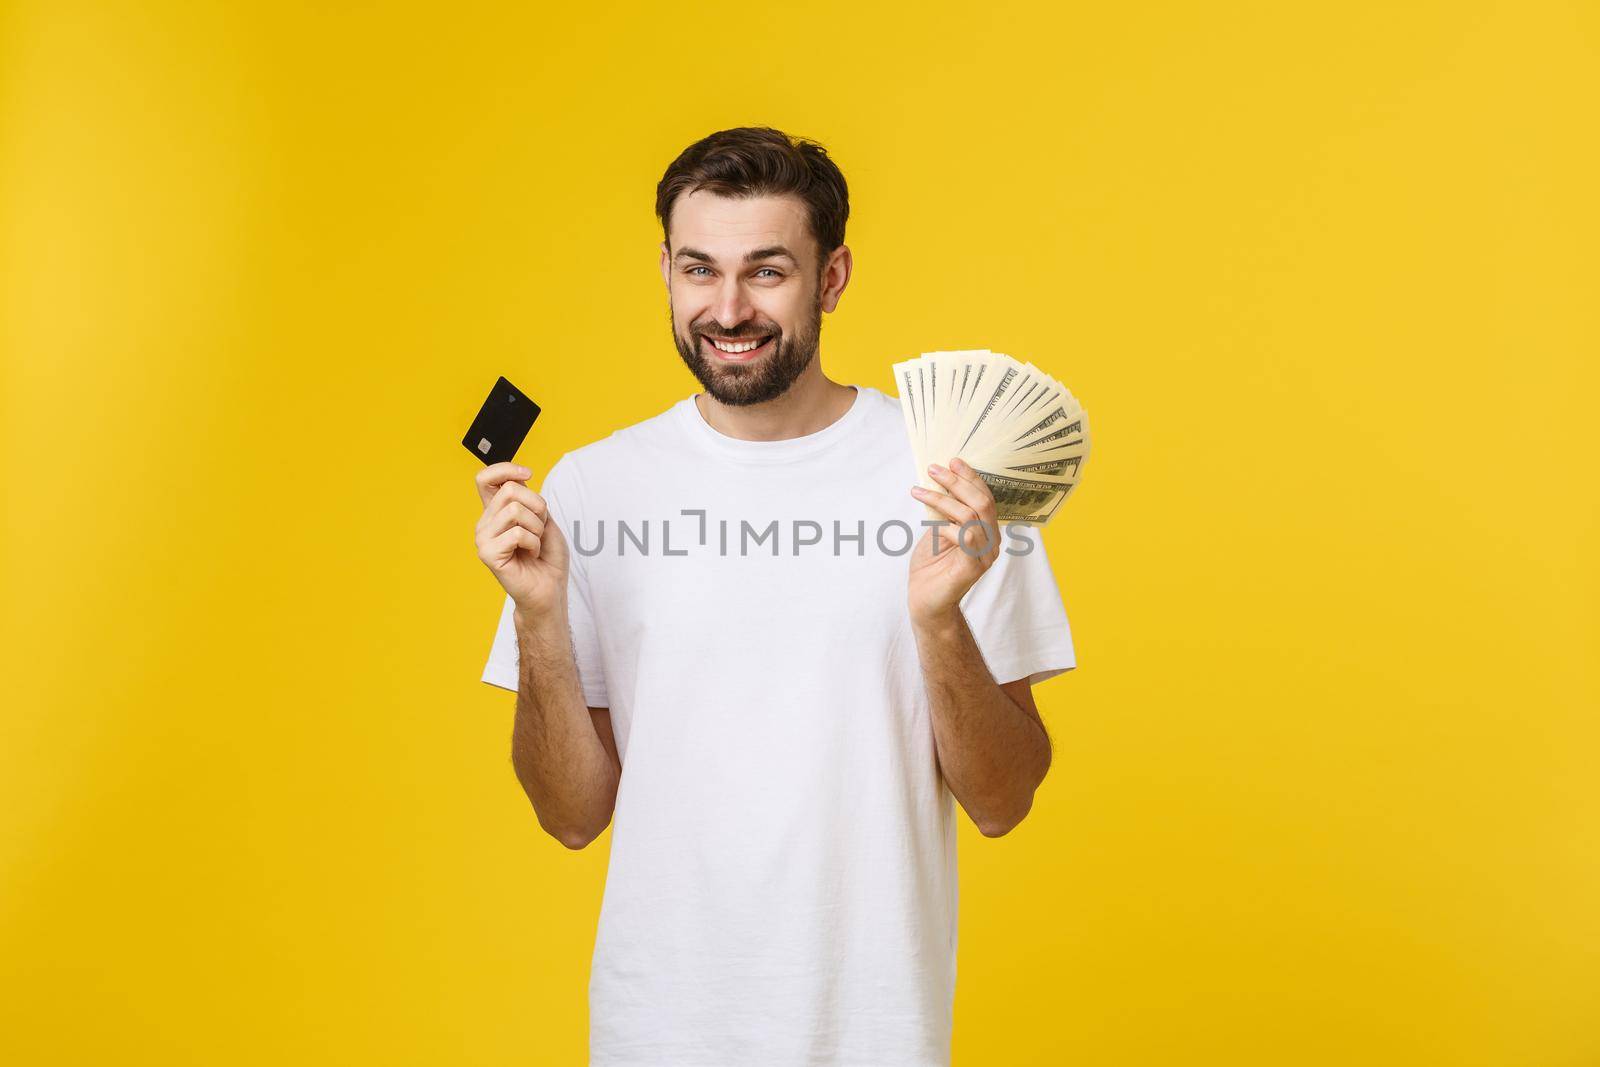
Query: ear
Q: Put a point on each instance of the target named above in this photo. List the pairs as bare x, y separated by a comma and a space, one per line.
666, 266
835, 276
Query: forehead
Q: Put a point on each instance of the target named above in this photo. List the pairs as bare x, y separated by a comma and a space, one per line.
728, 227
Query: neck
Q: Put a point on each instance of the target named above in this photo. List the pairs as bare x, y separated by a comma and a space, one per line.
812, 403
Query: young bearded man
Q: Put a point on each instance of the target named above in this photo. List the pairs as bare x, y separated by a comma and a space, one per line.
736, 637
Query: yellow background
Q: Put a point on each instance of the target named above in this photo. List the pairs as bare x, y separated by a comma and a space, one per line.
1325, 785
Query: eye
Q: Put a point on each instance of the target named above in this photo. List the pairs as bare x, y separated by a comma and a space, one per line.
691, 270
776, 273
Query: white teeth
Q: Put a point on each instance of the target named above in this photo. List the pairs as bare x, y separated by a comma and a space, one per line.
732, 349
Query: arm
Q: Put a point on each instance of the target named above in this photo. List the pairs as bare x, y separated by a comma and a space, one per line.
565, 759
563, 753
990, 742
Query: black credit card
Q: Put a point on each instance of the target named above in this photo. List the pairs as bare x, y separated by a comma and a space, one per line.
502, 423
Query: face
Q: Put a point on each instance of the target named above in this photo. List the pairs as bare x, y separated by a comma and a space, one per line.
747, 292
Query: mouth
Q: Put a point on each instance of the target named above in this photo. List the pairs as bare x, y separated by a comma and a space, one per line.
738, 350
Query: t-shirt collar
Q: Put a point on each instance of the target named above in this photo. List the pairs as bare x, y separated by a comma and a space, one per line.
790, 448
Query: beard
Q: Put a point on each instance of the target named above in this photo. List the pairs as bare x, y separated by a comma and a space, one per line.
767, 378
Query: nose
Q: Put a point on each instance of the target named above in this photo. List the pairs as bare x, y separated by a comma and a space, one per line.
731, 306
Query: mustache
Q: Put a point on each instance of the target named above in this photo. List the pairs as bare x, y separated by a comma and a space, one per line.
736, 335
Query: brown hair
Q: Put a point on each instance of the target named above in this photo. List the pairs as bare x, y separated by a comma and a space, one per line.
760, 161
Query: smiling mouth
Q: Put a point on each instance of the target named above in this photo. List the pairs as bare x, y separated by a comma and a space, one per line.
740, 350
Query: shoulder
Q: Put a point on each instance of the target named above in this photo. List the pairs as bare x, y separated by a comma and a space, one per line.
622, 451
880, 404
883, 417
885, 441
642, 435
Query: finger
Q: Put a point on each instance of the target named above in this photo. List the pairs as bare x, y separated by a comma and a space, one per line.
981, 540
977, 535
955, 488
944, 504
517, 491
987, 509
494, 551
967, 473
492, 477
500, 549
962, 482
513, 514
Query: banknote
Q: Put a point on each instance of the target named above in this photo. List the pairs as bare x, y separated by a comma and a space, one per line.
1023, 432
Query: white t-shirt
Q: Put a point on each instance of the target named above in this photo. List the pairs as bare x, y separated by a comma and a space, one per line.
782, 880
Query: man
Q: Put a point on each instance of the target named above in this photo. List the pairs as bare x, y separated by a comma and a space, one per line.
722, 626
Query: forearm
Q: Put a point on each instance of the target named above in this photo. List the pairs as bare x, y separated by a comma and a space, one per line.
993, 755
559, 758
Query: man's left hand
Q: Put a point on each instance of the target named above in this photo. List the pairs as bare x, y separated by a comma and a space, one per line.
941, 577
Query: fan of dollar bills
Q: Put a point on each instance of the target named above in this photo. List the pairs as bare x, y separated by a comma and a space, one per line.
1017, 427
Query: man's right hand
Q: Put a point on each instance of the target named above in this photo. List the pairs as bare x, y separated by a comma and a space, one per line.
518, 540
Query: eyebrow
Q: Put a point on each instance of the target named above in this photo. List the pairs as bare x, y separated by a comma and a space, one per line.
770, 252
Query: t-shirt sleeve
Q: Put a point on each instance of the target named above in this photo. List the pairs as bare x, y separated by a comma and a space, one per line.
1015, 612
562, 492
